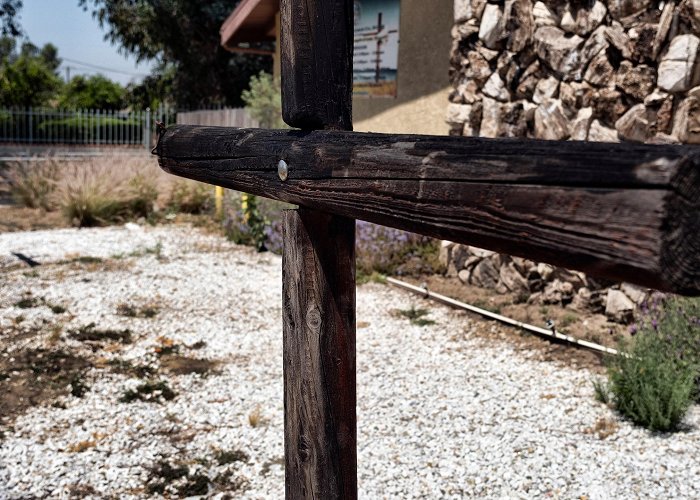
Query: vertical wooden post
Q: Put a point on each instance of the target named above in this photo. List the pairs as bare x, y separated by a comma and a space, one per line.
318, 265
317, 41
319, 355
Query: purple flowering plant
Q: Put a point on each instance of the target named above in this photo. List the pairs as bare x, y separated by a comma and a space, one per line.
657, 376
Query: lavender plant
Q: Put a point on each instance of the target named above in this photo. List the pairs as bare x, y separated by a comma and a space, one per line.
386, 251
654, 381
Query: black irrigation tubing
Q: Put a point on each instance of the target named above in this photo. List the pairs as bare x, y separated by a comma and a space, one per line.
542, 332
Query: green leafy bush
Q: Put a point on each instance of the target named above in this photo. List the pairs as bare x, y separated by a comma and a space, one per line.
264, 101
190, 197
248, 226
654, 380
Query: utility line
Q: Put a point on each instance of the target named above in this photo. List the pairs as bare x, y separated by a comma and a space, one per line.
103, 68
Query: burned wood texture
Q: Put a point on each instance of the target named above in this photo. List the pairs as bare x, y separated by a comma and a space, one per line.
316, 62
617, 211
318, 271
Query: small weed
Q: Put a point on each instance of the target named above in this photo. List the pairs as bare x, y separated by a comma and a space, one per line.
31, 274
567, 320
89, 333
146, 311
127, 310
156, 250
225, 481
87, 259
150, 392
488, 306
195, 485
255, 417
416, 316
28, 303
166, 347
17, 320
78, 388
190, 197
265, 469
604, 428
57, 309
601, 392
184, 365
200, 344
228, 457
163, 474
374, 277
125, 367
81, 446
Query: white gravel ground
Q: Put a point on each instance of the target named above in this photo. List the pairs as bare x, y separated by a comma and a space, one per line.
442, 413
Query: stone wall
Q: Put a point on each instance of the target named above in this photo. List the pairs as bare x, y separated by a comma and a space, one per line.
605, 70
582, 70
540, 283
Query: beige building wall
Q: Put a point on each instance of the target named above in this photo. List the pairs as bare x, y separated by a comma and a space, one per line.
423, 83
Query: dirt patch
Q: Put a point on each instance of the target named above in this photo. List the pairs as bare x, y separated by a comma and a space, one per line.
90, 333
14, 218
35, 376
149, 392
166, 479
593, 327
184, 365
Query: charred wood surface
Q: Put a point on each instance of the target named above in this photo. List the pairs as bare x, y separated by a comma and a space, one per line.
316, 48
318, 272
618, 211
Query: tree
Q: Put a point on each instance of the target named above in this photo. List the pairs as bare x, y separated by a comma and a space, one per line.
95, 92
8, 17
184, 35
264, 101
28, 78
154, 90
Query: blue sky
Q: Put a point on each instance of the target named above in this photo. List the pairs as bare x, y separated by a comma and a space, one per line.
78, 38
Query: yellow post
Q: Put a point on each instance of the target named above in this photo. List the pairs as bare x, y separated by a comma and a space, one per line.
219, 200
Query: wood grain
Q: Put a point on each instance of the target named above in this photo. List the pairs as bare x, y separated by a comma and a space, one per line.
617, 211
319, 265
316, 61
318, 272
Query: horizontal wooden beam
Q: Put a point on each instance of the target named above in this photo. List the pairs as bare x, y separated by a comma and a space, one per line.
617, 211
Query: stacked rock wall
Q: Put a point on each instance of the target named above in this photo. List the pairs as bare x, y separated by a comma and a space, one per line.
540, 283
603, 70
596, 70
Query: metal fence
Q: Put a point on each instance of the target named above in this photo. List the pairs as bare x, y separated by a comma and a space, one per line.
81, 126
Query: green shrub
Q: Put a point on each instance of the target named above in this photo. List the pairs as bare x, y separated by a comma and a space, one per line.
190, 197
654, 380
33, 185
393, 252
249, 220
264, 101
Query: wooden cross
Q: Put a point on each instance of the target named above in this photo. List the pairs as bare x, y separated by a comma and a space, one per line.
617, 211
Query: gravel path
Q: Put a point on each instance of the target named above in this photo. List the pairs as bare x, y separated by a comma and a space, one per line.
442, 412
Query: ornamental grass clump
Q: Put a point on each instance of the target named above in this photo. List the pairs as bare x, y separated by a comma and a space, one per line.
33, 183
655, 379
104, 192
